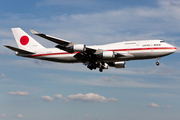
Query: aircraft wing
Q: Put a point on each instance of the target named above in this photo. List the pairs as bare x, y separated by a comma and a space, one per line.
64, 44
69, 46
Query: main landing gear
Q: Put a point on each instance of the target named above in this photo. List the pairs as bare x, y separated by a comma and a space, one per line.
100, 65
157, 63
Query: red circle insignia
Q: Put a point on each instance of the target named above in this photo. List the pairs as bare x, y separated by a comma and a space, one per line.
24, 40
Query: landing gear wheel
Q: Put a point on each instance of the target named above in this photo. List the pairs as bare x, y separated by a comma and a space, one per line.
101, 67
157, 63
100, 70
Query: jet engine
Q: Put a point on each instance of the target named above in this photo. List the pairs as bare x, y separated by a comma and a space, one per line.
121, 64
79, 48
107, 55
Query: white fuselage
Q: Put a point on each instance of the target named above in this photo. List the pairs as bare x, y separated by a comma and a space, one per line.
134, 50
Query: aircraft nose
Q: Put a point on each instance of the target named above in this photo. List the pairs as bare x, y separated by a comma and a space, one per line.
173, 49
170, 49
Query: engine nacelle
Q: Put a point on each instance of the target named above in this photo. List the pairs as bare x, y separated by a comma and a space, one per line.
107, 55
79, 48
121, 64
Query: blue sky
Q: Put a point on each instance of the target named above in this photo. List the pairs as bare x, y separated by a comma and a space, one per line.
40, 90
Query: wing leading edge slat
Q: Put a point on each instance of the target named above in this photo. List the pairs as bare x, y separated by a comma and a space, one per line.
51, 38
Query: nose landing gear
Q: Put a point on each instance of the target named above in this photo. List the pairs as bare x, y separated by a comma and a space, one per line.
157, 63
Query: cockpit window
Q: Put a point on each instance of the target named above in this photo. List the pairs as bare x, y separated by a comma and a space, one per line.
161, 41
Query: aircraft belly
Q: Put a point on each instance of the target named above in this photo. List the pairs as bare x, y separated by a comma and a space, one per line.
60, 58
150, 54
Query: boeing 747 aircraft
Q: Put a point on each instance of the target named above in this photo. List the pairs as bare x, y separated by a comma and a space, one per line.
100, 56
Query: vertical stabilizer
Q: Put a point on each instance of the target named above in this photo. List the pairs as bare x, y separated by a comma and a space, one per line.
24, 41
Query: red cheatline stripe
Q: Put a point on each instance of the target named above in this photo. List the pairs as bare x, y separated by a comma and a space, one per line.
63, 53
131, 49
155, 48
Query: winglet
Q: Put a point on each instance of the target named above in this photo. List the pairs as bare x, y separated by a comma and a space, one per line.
34, 32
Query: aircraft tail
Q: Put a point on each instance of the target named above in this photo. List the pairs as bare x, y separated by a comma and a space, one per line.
24, 41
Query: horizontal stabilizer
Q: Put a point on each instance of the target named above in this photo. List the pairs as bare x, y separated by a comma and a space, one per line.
19, 50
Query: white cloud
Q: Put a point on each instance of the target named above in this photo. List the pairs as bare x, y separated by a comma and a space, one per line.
120, 81
5, 79
2, 115
1, 52
127, 81
168, 106
58, 96
19, 116
153, 105
3, 75
106, 79
126, 24
18, 93
87, 115
90, 97
47, 98
5, 33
